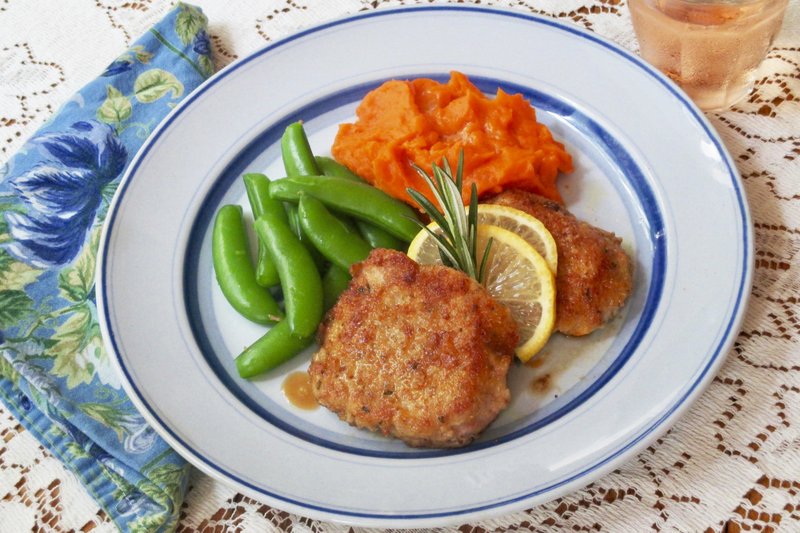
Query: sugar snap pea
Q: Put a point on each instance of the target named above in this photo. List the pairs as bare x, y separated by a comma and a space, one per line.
378, 237
330, 167
375, 236
234, 270
334, 282
294, 220
297, 229
300, 279
298, 159
276, 346
257, 186
299, 154
358, 200
333, 238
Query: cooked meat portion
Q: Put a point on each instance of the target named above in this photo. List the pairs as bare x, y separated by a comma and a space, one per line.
418, 352
594, 275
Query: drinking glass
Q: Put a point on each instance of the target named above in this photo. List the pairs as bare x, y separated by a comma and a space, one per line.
711, 48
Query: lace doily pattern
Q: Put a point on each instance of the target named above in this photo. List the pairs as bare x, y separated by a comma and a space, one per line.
732, 463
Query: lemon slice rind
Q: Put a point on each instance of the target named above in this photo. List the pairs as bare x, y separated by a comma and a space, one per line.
530, 228
534, 312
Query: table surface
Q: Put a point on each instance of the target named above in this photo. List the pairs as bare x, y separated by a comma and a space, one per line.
731, 463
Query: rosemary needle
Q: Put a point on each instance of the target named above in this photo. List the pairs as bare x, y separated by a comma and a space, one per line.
458, 239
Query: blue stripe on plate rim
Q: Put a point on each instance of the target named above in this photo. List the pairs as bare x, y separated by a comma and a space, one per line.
271, 135
602, 465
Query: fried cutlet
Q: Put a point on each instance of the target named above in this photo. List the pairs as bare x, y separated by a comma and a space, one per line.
594, 277
418, 352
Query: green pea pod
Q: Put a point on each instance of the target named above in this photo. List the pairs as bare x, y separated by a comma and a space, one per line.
379, 238
234, 271
275, 347
358, 200
334, 283
300, 279
293, 219
375, 236
333, 238
297, 229
298, 159
257, 186
330, 167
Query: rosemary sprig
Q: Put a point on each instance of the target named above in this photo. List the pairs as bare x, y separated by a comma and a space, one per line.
458, 240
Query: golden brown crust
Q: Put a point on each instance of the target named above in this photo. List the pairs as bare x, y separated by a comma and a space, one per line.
417, 352
595, 275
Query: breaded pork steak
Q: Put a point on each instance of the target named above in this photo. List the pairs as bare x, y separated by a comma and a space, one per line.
594, 277
418, 352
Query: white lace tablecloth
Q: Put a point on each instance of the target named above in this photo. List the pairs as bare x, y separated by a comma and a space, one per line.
731, 464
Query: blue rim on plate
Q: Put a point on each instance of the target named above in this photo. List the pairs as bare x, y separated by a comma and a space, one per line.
644, 194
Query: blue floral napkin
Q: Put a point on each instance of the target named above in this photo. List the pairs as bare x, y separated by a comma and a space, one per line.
55, 375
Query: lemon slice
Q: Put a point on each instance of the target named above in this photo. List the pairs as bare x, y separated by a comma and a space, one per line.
526, 226
516, 276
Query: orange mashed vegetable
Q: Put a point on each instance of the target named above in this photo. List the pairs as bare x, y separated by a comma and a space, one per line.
423, 121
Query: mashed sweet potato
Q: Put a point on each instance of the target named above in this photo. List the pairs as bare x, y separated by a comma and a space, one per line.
422, 121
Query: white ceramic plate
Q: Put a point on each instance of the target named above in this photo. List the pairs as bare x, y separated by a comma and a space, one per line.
648, 167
